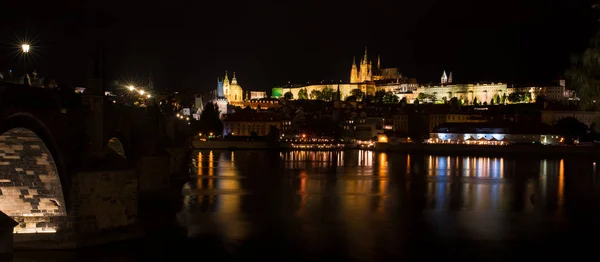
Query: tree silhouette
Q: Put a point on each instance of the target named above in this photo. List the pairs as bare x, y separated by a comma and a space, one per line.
288, 96
358, 94
390, 98
302, 94
378, 98
571, 127
584, 74
209, 120
316, 94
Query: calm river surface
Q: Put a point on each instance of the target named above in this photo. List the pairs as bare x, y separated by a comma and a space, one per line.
368, 206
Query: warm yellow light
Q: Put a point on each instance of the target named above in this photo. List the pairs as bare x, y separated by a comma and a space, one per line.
177, 115
142, 92
131, 88
199, 134
303, 136
187, 119
232, 134
149, 96
210, 134
25, 48
382, 139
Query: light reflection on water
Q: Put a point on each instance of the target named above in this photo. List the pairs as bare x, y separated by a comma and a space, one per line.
369, 195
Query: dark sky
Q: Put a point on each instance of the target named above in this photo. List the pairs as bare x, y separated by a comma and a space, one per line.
188, 44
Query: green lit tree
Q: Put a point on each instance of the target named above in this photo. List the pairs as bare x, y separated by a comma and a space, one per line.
327, 94
390, 98
303, 94
514, 97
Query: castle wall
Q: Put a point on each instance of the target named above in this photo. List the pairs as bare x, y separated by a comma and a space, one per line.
345, 89
468, 92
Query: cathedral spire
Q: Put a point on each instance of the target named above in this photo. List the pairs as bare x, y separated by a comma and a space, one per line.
444, 78
354, 61
378, 62
365, 58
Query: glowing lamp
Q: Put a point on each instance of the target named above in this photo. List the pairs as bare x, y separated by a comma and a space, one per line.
382, 139
25, 48
131, 88
142, 92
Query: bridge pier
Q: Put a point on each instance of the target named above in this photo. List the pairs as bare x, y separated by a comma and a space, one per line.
103, 208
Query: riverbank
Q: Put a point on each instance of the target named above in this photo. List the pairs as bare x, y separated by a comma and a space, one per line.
234, 145
259, 145
490, 150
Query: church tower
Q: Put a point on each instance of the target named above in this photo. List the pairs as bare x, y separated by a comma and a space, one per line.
444, 78
354, 72
370, 72
226, 85
450, 78
219, 88
378, 62
233, 80
365, 68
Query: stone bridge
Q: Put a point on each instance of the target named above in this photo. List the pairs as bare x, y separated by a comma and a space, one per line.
74, 165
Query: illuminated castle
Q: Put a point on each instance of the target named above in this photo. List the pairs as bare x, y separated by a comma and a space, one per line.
362, 74
366, 73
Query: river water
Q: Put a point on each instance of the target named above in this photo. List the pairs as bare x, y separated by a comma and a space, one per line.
367, 206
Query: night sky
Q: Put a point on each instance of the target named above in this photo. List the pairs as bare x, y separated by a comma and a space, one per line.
187, 45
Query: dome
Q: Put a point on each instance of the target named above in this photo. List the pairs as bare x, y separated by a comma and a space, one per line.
235, 87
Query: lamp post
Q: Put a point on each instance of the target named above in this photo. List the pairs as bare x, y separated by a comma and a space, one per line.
25, 49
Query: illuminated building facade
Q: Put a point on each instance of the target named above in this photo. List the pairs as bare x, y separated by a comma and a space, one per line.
258, 94
493, 134
467, 93
249, 123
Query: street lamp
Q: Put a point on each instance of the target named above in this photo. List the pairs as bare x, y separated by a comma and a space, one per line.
141, 92
25, 48
131, 88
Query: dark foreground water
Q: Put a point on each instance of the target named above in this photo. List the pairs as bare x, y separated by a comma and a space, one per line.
366, 206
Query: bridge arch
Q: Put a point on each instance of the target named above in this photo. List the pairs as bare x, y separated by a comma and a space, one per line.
33, 177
